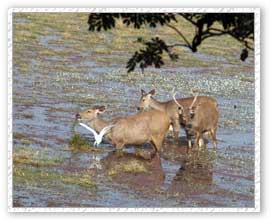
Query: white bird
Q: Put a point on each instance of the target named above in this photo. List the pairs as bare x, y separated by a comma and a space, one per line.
98, 137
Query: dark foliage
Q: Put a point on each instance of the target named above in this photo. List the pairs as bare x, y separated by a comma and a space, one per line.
151, 55
107, 21
238, 25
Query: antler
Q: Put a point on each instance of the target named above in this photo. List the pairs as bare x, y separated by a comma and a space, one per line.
194, 100
177, 101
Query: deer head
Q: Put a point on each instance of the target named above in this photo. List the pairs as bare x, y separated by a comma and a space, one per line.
90, 113
145, 100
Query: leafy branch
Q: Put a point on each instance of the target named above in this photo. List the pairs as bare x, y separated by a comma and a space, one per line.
151, 55
239, 26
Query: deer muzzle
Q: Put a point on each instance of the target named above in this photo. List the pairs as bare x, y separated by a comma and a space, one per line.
78, 116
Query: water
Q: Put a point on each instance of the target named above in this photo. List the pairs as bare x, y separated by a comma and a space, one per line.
55, 87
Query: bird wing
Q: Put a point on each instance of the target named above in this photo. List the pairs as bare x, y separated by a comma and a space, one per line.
89, 129
105, 130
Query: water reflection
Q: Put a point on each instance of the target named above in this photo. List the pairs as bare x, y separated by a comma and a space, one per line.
195, 175
134, 170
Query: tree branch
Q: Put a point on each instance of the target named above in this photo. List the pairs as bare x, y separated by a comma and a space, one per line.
179, 33
208, 34
227, 32
177, 45
188, 19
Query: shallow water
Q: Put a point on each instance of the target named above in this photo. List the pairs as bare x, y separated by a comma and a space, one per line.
55, 86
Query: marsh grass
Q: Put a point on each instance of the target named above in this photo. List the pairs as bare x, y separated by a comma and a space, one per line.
19, 136
23, 138
248, 79
36, 158
77, 144
28, 116
40, 177
133, 166
74, 38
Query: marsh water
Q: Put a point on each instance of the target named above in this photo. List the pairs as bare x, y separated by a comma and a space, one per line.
60, 68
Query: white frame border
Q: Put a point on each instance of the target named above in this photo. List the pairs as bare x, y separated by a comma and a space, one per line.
256, 12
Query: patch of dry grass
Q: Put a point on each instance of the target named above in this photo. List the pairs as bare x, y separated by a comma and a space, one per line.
132, 166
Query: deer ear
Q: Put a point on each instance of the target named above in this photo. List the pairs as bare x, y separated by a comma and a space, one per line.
101, 109
152, 92
143, 92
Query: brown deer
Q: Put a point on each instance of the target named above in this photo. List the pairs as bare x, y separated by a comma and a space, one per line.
130, 130
170, 108
200, 117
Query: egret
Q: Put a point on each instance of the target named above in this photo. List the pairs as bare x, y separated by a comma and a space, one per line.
98, 137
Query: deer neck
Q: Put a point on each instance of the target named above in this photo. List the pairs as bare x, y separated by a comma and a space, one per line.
157, 105
98, 124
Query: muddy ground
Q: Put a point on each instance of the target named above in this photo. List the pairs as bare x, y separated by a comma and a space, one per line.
60, 68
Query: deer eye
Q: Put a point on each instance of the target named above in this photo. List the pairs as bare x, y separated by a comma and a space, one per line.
143, 100
88, 111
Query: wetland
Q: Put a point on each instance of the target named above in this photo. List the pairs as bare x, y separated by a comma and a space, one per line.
60, 68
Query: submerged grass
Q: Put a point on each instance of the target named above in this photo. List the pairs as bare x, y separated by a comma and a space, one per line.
30, 167
22, 138
132, 166
36, 158
40, 177
77, 144
41, 34
28, 116
19, 136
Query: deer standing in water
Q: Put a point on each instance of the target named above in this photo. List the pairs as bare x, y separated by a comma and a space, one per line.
130, 130
200, 117
170, 107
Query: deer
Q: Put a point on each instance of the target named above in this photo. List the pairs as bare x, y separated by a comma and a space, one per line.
200, 117
170, 107
134, 129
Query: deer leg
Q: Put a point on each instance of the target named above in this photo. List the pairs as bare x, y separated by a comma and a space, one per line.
214, 138
157, 142
197, 139
201, 143
119, 145
188, 139
176, 129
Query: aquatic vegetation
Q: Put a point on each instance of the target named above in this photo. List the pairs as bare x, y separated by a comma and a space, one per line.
46, 178
36, 158
78, 144
19, 136
73, 28
22, 138
133, 166
28, 116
